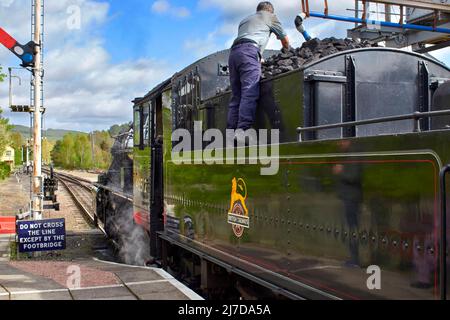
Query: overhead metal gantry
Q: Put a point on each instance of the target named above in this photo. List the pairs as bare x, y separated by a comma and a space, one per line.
431, 14
422, 24
422, 4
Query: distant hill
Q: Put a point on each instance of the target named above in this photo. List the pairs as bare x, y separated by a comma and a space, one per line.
50, 134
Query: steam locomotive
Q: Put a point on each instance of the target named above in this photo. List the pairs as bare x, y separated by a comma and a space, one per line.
354, 210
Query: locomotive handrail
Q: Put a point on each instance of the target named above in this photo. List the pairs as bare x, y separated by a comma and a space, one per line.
416, 117
115, 192
443, 251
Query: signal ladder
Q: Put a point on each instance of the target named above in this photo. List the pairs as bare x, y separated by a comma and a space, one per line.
33, 27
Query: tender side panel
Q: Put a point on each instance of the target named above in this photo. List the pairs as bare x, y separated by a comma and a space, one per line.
322, 221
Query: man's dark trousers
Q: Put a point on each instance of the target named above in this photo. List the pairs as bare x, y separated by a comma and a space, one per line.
245, 74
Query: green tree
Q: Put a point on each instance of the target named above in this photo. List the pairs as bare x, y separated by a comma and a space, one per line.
56, 154
70, 160
83, 151
2, 75
5, 130
17, 142
116, 129
47, 148
4, 124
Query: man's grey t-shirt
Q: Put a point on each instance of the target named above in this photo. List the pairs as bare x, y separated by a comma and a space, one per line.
258, 28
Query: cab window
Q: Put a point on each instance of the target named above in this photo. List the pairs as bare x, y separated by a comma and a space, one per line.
137, 127
146, 123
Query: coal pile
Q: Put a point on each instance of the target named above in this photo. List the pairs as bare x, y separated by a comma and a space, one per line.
310, 51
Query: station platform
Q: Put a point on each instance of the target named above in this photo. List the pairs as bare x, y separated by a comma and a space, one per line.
86, 279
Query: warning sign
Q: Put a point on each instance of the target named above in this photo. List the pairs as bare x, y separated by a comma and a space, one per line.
42, 235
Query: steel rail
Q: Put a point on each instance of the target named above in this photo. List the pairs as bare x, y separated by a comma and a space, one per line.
65, 180
69, 177
77, 180
115, 192
85, 211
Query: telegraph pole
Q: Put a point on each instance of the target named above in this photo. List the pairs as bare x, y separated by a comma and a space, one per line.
37, 199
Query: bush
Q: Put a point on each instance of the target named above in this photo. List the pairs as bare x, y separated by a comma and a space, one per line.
5, 170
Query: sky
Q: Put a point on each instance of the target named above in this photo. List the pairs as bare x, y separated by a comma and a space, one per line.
100, 55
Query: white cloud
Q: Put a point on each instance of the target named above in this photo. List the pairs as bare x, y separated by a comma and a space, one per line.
6, 3
84, 89
182, 12
161, 6
164, 7
233, 11
201, 47
442, 55
283, 8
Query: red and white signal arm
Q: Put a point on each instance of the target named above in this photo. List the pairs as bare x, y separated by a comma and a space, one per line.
23, 52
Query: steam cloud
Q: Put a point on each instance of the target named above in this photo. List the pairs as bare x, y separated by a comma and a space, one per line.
133, 240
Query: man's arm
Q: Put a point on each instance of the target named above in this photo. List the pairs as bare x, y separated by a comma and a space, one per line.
285, 42
278, 30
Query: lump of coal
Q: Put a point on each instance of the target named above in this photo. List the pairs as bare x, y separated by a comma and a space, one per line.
310, 51
286, 62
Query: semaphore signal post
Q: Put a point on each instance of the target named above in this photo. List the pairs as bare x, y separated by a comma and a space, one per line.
37, 204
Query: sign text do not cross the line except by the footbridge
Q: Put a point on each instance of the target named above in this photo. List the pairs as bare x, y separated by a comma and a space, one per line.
42, 235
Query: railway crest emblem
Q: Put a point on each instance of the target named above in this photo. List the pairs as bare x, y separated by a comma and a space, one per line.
238, 213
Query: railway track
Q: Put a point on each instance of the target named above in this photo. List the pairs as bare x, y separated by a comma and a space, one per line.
83, 193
